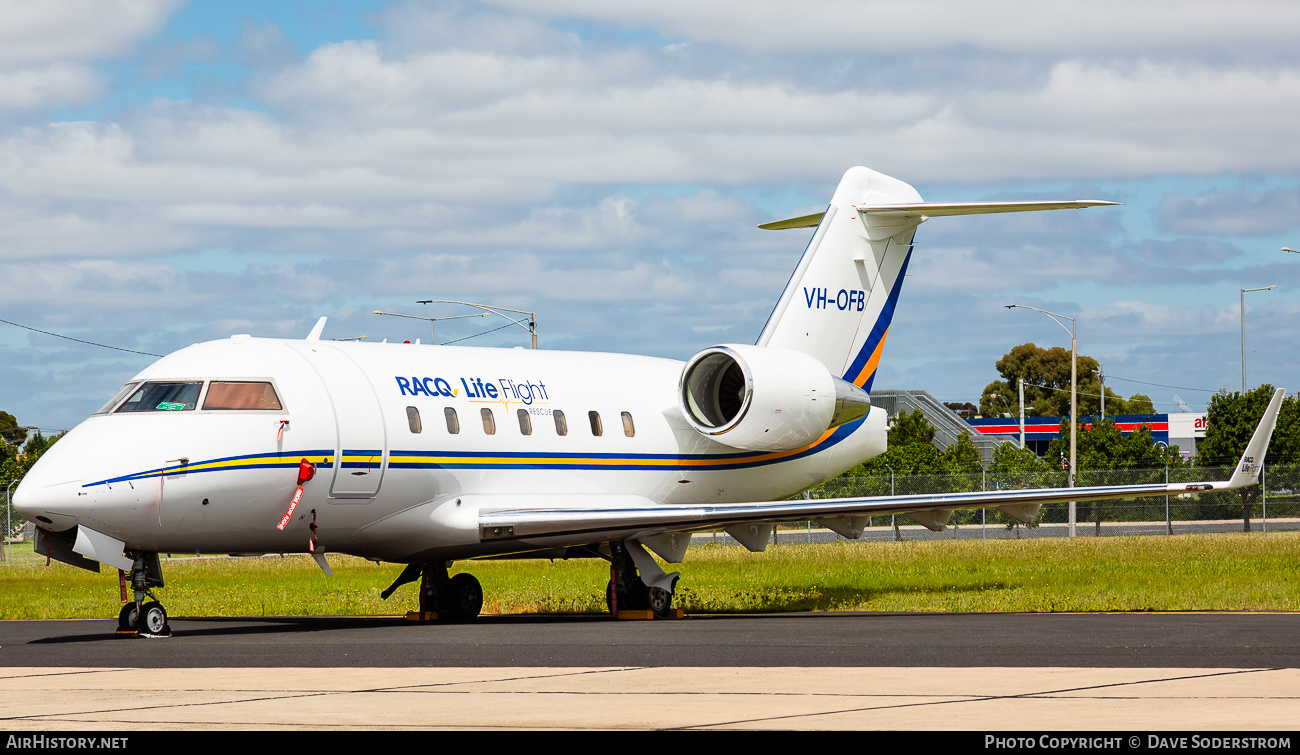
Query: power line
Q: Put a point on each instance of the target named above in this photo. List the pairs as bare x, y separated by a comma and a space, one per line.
1098, 395
476, 335
78, 340
1162, 385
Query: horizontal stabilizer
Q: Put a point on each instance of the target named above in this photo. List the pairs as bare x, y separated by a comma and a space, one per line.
807, 221
943, 209
886, 220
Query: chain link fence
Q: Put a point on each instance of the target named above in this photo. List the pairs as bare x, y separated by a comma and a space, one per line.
14, 528
1271, 507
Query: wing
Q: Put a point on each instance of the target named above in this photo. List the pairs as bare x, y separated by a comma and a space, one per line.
623, 517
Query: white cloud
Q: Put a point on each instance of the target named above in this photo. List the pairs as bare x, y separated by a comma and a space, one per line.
497, 153
76, 29
46, 48
57, 83
1231, 213
1060, 28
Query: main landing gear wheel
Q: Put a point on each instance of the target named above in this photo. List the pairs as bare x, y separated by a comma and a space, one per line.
153, 619
462, 597
660, 601
128, 620
627, 591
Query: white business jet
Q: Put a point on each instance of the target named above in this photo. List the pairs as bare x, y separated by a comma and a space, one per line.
425, 455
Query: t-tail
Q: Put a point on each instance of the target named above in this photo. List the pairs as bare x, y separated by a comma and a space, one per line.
813, 366
840, 300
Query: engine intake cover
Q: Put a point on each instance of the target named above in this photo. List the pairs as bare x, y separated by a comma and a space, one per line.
761, 399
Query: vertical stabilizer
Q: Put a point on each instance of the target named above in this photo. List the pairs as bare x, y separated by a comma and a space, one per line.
840, 300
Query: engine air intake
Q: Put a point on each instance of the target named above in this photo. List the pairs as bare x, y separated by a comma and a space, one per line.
758, 398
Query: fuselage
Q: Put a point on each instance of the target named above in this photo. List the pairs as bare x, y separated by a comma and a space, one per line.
391, 429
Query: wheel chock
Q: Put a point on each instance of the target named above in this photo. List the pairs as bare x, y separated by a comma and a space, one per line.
128, 632
644, 615
421, 616
635, 615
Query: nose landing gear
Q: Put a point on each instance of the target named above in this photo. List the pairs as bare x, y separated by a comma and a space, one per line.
146, 619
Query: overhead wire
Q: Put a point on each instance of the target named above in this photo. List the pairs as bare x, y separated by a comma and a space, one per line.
79, 340
1098, 395
476, 335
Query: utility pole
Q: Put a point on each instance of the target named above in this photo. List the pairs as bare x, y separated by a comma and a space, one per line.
1245, 291
1101, 377
1021, 381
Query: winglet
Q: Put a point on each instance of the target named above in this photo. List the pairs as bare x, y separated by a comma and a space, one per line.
1252, 460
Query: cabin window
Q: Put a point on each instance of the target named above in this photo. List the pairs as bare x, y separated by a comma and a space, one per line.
561, 426
525, 423
163, 397
241, 395
126, 389
489, 421
628, 428
595, 422
413, 419
453, 422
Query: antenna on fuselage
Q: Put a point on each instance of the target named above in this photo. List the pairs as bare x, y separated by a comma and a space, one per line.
314, 335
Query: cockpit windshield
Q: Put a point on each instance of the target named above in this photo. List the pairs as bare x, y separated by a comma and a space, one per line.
121, 394
163, 397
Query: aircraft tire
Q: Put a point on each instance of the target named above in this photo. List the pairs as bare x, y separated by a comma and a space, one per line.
128, 619
153, 619
464, 597
659, 600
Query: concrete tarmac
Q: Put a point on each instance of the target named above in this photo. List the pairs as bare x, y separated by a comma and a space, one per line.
675, 698
983, 672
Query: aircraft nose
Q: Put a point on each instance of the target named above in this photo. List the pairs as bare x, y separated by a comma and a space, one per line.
54, 506
50, 494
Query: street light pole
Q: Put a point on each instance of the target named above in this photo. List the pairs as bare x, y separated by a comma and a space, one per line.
1245, 291
1074, 393
530, 325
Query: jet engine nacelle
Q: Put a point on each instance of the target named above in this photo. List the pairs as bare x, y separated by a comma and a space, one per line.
761, 399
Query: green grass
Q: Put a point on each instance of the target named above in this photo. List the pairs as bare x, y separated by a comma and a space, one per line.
1185, 572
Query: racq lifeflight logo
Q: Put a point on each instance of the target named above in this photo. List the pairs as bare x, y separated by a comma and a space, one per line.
503, 389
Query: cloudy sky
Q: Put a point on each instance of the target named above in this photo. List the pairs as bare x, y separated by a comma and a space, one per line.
173, 173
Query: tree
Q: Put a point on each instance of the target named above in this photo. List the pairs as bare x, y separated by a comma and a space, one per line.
1230, 421
10, 431
1105, 456
1046, 373
963, 457
1013, 468
911, 454
965, 410
15, 461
